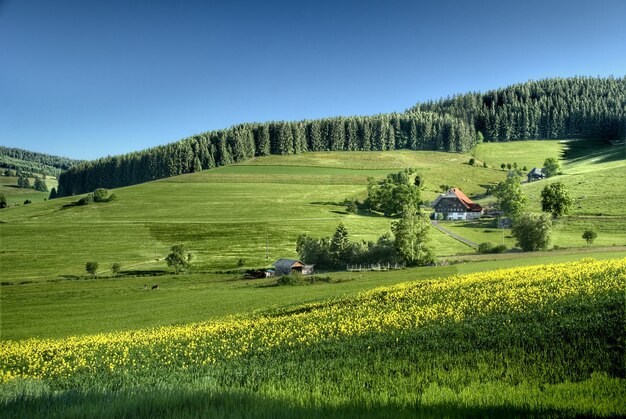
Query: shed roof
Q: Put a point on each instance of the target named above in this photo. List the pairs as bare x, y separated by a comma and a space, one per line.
287, 263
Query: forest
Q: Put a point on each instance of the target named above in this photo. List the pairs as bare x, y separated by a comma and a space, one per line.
33, 162
552, 108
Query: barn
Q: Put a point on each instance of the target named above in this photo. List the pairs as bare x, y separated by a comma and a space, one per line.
455, 205
287, 266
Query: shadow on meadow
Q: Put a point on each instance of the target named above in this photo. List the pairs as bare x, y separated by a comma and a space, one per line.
599, 151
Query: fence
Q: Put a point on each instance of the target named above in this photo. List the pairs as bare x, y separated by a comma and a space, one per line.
374, 267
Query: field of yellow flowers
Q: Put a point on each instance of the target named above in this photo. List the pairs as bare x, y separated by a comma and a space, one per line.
540, 339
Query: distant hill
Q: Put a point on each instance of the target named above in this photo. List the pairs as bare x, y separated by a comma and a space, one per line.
582, 107
33, 162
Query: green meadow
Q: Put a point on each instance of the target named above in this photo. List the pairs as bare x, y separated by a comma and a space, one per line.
17, 196
244, 211
491, 361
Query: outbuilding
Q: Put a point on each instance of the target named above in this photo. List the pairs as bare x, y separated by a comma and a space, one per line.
536, 174
287, 266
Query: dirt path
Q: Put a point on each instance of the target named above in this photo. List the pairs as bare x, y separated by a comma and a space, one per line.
453, 235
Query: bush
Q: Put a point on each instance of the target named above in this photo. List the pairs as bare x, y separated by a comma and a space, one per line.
485, 247
85, 200
294, 278
28, 201
499, 249
472, 161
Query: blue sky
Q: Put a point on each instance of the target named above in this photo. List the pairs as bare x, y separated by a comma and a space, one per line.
86, 79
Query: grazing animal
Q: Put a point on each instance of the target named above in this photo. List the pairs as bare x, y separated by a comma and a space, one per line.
145, 286
155, 287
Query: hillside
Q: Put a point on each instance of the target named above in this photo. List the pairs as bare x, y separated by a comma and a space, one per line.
552, 108
33, 162
515, 342
243, 211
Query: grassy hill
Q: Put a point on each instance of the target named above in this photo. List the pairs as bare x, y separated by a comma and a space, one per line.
223, 214
539, 340
235, 212
17, 196
34, 162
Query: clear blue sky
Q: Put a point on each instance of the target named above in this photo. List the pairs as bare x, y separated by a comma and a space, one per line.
90, 78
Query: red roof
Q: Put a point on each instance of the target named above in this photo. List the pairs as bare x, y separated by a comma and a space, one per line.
466, 201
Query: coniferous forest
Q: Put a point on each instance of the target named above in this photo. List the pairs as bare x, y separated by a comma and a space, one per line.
552, 108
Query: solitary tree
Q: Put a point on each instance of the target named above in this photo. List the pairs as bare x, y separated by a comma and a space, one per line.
589, 236
551, 167
53, 193
532, 231
91, 267
340, 245
555, 199
3, 201
510, 196
411, 238
116, 268
177, 259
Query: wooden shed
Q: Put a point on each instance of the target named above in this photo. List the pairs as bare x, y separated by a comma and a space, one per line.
287, 266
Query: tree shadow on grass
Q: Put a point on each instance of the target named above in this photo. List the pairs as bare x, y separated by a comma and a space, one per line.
596, 151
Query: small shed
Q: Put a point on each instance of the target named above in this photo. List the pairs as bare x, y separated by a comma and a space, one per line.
536, 174
287, 266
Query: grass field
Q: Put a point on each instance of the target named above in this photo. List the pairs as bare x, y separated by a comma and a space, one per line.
50, 309
538, 340
15, 195
528, 341
222, 215
234, 212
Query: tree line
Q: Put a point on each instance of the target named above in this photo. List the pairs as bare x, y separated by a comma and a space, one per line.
577, 107
415, 131
552, 108
30, 161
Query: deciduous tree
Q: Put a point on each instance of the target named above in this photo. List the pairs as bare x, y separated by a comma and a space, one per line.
510, 196
555, 199
532, 231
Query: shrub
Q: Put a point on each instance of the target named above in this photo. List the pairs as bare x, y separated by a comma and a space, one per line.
472, 161
85, 200
485, 247
293, 278
499, 249
488, 247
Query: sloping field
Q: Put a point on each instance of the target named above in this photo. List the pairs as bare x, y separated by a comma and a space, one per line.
546, 339
258, 208
222, 215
